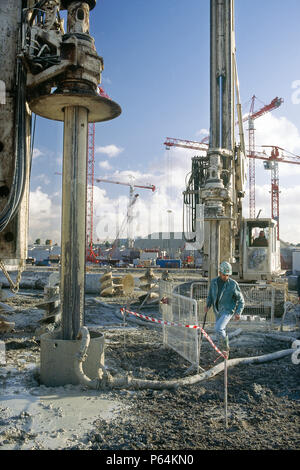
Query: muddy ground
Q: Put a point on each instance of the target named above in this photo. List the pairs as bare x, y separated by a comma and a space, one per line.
263, 399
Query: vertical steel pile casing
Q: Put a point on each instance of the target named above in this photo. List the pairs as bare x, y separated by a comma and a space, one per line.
73, 220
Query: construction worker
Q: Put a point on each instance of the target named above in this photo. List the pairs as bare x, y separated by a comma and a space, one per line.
261, 239
227, 300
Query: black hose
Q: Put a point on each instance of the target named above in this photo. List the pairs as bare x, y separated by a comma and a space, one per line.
19, 179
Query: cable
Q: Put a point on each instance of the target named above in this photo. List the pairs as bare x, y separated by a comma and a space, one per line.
20, 171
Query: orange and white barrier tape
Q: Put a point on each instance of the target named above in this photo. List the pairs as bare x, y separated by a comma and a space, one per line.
162, 322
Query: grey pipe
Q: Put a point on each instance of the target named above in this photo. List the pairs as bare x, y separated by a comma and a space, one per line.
106, 380
81, 357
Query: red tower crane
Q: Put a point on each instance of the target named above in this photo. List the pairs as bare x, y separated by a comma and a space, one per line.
271, 163
90, 254
275, 103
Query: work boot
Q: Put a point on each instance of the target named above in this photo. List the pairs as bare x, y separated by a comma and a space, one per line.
225, 345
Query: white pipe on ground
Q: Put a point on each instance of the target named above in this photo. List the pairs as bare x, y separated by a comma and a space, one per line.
105, 379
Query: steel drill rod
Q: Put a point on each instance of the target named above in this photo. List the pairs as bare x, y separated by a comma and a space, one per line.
73, 228
225, 393
214, 248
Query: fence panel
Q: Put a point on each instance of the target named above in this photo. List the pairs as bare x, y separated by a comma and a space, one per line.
188, 309
259, 300
180, 309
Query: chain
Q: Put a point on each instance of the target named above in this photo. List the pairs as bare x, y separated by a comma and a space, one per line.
14, 287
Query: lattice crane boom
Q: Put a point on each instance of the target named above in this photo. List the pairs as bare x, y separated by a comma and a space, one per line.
99, 180
189, 144
275, 103
275, 155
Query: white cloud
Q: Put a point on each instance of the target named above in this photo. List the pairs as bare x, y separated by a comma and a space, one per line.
44, 217
151, 208
39, 202
169, 171
106, 80
289, 212
203, 132
37, 153
43, 178
105, 165
110, 150
279, 131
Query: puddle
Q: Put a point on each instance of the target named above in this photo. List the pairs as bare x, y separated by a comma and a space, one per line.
51, 420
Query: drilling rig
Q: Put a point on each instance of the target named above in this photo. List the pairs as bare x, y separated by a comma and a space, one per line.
53, 73
216, 187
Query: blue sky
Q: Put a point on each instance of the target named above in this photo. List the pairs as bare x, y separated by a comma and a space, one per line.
156, 66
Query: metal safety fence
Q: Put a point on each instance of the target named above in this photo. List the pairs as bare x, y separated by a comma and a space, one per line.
180, 309
186, 302
259, 300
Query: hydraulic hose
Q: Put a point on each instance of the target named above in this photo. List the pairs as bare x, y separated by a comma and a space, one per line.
105, 380
81, 357
19, 178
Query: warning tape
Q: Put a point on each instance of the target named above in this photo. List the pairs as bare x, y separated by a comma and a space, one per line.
163, 322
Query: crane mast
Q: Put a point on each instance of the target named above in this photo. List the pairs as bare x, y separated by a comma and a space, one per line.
275, 103
271, 163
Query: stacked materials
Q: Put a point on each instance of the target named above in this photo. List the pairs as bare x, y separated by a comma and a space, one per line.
51, 305
110, 285
148, 283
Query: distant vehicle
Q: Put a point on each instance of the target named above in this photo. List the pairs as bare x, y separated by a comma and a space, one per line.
43, 262
168, 263
54, 259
